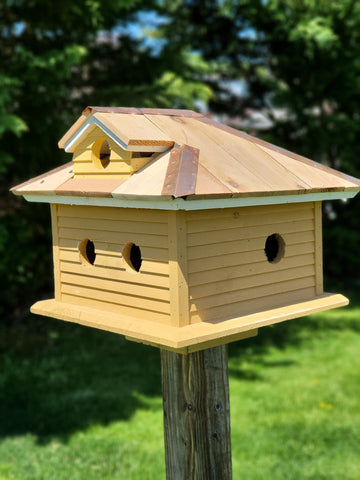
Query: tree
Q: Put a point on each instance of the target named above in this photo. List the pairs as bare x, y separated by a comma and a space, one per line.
297, 57
56, 58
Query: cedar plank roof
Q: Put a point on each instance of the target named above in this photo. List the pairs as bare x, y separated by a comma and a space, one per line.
200, 158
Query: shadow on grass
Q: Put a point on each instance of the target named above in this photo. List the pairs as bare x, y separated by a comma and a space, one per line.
57, 378
290, 333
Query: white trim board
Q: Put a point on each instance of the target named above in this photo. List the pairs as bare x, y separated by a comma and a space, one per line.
89, 126
181, 204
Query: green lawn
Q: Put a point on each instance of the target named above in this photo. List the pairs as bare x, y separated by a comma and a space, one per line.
77, 403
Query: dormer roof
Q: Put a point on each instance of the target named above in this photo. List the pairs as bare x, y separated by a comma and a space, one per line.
199, 159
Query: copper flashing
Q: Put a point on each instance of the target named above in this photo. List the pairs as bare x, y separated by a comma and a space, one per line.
180, 178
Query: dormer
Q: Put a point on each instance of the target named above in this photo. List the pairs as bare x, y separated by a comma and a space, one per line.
104, 146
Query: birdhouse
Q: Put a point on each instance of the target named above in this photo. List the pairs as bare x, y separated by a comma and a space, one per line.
181, 232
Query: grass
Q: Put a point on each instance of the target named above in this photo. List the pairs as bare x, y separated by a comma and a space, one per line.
77, 403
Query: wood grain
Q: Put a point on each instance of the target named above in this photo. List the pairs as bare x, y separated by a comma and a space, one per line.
196, 415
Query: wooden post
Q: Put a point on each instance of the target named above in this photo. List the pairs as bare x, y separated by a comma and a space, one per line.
196, 415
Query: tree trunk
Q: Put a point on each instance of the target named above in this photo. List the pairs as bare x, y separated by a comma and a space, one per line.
196, 415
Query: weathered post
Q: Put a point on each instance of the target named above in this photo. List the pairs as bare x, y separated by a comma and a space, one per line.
196, 415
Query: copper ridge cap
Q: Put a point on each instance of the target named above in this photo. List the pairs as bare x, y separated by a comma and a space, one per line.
181, 174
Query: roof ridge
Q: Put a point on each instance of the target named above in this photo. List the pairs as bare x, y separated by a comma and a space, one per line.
143, 111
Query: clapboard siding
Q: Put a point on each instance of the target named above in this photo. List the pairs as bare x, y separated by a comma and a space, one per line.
243, 247
228, 271
115, 261
108, 284
118, 214
247, 307
120, 160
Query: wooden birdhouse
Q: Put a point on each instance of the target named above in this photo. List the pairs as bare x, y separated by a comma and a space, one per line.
178, 231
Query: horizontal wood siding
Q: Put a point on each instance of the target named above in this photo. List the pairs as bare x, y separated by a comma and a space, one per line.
119, 166
108, 284
229, 274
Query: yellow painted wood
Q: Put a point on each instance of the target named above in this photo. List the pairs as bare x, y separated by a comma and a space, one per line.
114, 225
226, 272
179, 292
117, 153
107, 282
251, 281
318, 249
108, 296
157, 241
82, 155
240, 233
87, 163
296, 243
139, 162
244, 219
197, 216
253, 256
149, 330
109, 213
104, 248
258, 292
56, 250
97, 273
114, 260
122, 169
250, 306
132, 313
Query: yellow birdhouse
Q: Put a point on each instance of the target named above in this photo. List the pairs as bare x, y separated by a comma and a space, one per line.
178, 231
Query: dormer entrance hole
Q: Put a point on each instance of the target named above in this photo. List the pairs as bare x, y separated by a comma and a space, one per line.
101, 153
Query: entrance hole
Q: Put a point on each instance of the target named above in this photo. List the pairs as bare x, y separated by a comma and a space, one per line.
87, 252
132, 256
274, 248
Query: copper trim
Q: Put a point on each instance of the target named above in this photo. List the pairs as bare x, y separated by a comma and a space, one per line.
181, 174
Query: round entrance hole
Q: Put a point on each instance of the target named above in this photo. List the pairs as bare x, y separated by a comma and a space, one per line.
274, 248
132, 257
101, 153
87, 252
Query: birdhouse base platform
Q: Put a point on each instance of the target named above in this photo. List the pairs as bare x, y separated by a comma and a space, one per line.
190, 338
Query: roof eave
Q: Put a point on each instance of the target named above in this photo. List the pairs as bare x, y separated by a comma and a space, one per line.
169, 203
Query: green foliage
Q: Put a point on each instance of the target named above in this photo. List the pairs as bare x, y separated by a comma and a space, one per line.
56, 58
299, 62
